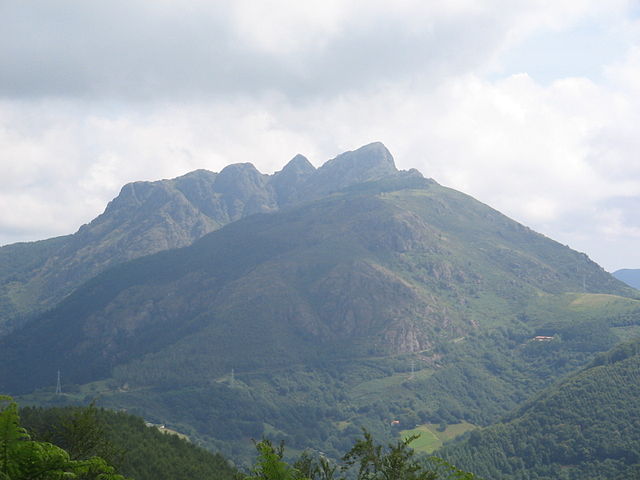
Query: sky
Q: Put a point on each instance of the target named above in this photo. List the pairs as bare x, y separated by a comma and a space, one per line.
530, 106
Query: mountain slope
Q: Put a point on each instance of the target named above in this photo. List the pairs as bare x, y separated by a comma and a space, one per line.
148, 217
145, 218
585, 427
629, 276
361, 273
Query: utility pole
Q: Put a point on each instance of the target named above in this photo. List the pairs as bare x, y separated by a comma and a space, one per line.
233, 379
58, 385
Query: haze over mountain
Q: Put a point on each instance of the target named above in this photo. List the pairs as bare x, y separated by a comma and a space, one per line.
322, 286
629, 276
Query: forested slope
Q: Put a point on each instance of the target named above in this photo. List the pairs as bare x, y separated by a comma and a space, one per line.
137, 451
588, 426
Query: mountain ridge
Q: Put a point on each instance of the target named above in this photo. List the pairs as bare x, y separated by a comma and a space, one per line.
392, 268
147, 217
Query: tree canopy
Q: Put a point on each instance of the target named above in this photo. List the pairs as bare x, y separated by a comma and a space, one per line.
24, 459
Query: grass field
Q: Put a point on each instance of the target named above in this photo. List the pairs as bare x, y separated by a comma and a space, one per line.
427, 442
379, 385
588, 301
431, 439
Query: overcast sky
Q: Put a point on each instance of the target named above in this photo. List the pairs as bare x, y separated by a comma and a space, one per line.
531, 106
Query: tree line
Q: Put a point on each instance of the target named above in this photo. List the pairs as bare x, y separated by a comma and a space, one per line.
87, 443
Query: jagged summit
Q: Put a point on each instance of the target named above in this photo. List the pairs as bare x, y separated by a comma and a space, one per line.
286, 183
150, 216
365, 163
368, 163
299, 164
374, 153
237, 172
198, 173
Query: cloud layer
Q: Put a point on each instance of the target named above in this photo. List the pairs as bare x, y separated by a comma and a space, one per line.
95, 98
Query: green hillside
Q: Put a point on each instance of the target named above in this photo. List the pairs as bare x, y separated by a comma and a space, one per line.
584, 427
136, 450
432, 436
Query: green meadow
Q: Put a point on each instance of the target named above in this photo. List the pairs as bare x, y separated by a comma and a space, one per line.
431, 439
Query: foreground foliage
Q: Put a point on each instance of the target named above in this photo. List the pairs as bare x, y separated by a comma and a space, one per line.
366, 460
136, 450
24, 459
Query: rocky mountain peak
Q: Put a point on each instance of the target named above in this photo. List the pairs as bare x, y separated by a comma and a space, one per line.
299, 165
244, 191
288, 181
147, 217
371, 159
371, 162
238, 177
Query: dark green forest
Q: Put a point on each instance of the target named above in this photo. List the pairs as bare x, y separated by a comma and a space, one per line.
135, 450
96, 444
478, 379
587, 426
25, 458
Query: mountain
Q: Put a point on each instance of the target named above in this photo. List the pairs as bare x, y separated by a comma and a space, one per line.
148, 217
629, 276
304, 322
362, 273
584, 427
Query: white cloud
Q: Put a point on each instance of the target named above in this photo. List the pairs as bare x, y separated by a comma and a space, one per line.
93, 100
302, 49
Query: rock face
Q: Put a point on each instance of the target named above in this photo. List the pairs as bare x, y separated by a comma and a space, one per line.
286, 183
370, 162
148, 217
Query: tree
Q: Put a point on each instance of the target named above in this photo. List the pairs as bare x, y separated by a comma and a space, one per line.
373, 462
397, 462
270, 465
78, 430
322, 469
24, 459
